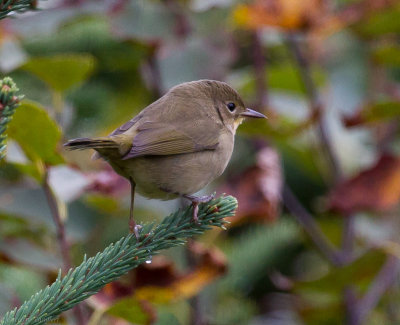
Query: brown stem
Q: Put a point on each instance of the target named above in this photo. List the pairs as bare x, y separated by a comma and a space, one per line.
348, 239
61, 238
72, 2
310, 226
60, 229
155, 75
196, 315
182, 25
315, 104
350, 300
260, 66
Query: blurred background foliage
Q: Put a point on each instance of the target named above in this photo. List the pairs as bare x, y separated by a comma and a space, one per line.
315, 238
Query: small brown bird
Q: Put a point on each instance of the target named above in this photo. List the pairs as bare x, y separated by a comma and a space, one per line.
176, 145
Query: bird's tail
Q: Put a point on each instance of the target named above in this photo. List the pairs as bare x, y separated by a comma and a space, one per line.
94, 143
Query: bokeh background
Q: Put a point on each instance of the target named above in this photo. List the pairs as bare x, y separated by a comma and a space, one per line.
315, 239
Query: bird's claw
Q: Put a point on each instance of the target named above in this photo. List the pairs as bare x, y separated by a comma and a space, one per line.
195, 203
134, 229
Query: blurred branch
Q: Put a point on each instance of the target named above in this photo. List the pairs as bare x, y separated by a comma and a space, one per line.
315, 104
310, 226
382, 282
8, 103
116, 260
9, 6
260, 66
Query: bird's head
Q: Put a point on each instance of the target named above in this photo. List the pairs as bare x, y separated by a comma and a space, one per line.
228, 106
221, 101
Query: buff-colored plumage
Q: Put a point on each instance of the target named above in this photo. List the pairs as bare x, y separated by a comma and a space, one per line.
178, 144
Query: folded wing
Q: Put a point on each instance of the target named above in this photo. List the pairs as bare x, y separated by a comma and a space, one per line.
160, 139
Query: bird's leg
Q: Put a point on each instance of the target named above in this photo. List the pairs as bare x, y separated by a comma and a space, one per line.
133, 227
196, 200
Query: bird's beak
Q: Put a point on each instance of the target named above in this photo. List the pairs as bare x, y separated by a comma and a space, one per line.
252, 113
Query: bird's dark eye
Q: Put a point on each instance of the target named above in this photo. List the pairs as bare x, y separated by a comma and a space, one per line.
231, 106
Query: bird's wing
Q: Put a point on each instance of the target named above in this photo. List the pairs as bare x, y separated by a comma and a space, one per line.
124, 127
160, 139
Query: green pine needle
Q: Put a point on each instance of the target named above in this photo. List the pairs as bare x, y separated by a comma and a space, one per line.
8, 103
8, 6
116, 260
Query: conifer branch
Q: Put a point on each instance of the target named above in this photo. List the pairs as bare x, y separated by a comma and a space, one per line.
9, 101
9, 6
116, 260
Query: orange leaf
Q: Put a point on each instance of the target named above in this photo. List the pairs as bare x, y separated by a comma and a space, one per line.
211, 263
376, 189
286, 14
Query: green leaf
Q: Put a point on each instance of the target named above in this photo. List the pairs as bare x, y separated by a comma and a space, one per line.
145, 20
234, 308
332, 226
280, 76
380, 23
286, 77
33, 210
257, 250
381, 111
36, 133
279, 127
387, 55
63, 71
34, 170
6, 297
165, 317
103, 203
131, 310
358, 273
323, 297
93, 35
27, 252
24, 281
302, 169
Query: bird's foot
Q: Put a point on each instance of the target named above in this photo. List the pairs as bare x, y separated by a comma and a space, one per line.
200, 199
134, 229
196, 200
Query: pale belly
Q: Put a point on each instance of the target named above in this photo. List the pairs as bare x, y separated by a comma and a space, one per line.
167, 177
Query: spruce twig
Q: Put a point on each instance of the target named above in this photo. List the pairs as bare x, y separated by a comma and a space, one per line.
9, 101
116, 260
8, 6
